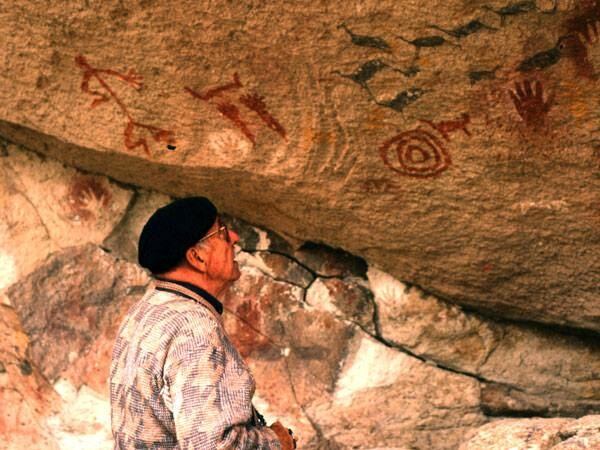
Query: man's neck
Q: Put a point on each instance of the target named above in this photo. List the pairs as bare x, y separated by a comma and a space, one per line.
188, 290
213, 287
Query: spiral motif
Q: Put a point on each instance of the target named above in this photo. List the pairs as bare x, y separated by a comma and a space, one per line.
416, 153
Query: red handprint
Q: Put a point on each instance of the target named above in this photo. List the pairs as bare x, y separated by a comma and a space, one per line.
582, 32
530, 103
247, 335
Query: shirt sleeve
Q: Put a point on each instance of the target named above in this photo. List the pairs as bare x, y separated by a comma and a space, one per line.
205, 411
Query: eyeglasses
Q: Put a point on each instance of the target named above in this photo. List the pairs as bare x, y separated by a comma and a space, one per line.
223, 232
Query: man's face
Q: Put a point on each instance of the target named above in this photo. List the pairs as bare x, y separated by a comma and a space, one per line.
220, 262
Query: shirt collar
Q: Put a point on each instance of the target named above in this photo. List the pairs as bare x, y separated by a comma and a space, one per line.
164, 284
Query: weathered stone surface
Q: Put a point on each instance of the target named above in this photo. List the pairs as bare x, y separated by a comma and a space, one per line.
254, 239
583, 433
346, 298
255, 307
326, 379
528, 370
330, 262
123, 241
542, 434
45, 206
83, 420
294, 352
454, 145
26, 398
402, 403
278, 266
37, 415
70, 308
315, 369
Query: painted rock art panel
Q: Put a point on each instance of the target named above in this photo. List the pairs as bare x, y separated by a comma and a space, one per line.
46, 206
343, 353
133, 134
530, 103
416, 153
252, 101
406, 133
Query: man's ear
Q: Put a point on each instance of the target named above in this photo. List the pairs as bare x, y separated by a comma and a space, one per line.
196, 258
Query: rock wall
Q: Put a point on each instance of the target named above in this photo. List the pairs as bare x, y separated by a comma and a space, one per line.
451, 149
343, 352
453, 143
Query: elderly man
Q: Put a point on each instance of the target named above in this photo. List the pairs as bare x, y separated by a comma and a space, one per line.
176, 381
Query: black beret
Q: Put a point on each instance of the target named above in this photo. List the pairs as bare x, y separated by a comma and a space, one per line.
171, 230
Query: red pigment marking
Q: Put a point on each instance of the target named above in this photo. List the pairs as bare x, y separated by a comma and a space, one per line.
433, 159
229, 110
530, 103
213, 92
85, 193
487, 267
133, 140
572, 47
421, 158
89, 72
132, 79
582, 30
449, 126
232, 112
375, 186
247, 338
256, 103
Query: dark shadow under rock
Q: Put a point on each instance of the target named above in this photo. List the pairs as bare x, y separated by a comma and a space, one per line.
327, 261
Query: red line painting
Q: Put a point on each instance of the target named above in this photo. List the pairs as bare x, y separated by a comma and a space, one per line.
415, 153
228, 109
232, 112
446, 127
530, 104
257, 104
214, 92
134, 134
420, 153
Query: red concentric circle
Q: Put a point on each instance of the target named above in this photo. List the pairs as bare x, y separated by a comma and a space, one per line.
416, 153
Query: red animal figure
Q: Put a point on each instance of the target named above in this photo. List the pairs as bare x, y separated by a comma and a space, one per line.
132, 79
89, 72
214, 92
232, 112
229, 110
449, 126
256, 103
